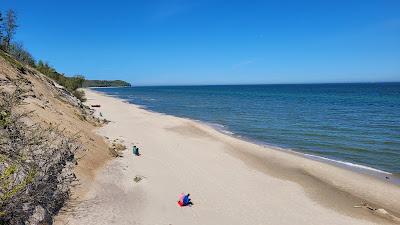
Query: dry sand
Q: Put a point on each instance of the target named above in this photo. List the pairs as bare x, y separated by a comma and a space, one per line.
231, 181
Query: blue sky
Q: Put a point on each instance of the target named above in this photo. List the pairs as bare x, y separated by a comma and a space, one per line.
215, 42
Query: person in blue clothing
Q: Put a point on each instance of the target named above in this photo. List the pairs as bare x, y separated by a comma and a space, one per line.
186, 200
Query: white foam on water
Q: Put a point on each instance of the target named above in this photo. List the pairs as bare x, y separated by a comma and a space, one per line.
349, 164
219, 127
228, 132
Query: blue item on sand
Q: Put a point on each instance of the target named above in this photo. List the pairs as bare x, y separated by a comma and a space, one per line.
186, 199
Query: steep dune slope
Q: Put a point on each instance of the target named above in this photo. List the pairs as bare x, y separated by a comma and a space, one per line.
51, 106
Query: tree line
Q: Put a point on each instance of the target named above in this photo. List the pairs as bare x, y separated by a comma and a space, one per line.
106, 83
8, 28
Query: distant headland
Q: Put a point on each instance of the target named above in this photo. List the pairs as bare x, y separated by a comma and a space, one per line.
105, 83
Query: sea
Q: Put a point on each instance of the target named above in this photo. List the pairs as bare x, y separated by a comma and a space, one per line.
356, 125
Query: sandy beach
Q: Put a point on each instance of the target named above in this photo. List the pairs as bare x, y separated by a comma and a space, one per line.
231, 181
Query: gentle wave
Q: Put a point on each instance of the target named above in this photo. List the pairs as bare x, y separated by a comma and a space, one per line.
221, 128
348, 164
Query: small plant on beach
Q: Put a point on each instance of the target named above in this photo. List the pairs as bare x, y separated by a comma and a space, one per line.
105, 121
116, 149
137, 179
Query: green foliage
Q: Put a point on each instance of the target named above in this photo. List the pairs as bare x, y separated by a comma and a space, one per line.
46, 69
4, 118
15, 63
7, 183
49, 71
70, 83
21, 54
15, 49
18, 56
106, 83
73, 83
79, 94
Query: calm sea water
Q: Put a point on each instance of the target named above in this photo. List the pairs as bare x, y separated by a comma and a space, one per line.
355, 123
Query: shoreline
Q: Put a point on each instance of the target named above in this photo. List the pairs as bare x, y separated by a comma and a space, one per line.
355, 167
221, 176
342, 164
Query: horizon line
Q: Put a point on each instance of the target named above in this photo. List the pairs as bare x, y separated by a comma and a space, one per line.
254, 84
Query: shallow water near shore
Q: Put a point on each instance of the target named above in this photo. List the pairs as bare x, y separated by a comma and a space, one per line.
357, 125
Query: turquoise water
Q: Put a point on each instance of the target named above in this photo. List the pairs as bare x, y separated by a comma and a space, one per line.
354, 123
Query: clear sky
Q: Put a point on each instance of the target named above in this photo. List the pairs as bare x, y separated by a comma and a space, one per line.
215, 42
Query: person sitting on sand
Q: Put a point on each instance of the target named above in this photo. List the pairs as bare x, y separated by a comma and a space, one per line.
135, 150
186, 200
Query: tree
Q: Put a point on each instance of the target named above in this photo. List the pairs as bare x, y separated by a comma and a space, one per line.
10, 26
1, 29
